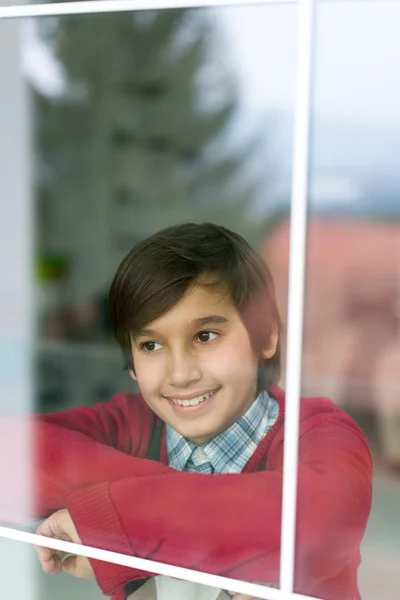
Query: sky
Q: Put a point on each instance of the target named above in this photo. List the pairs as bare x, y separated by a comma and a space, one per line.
357, 53
355, 84
356, 60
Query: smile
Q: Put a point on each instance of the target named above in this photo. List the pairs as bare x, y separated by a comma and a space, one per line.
194, 401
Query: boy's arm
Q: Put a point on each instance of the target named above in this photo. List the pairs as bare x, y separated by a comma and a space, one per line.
231, 524
44, 457
113, 423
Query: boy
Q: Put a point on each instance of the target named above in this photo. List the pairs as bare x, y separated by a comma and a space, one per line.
194, 311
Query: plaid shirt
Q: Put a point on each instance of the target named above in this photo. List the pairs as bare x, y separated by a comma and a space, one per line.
229, 451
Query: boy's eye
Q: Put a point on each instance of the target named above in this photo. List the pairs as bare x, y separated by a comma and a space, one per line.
150, 346
207, 336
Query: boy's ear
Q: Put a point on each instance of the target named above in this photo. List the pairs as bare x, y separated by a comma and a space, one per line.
274, 339
132, 374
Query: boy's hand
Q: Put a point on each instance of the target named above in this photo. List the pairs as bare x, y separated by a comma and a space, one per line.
60, 526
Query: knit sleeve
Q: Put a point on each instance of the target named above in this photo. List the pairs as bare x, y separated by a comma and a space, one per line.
231, 524
44, 457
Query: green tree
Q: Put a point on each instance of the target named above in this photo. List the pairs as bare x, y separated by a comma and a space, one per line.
136, 140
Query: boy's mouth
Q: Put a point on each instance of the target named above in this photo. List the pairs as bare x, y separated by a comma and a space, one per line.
194, 403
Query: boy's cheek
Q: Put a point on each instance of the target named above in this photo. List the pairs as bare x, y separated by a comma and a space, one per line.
232, 367
148, 368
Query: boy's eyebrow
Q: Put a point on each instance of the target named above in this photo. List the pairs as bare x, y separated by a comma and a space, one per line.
143, 333
210, 320
201, 322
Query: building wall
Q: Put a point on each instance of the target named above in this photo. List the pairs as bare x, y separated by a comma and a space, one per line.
352, 307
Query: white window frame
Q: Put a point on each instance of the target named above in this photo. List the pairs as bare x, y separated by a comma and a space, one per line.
305, 9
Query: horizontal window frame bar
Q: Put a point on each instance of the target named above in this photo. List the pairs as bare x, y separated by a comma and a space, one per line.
112, 6
208, 579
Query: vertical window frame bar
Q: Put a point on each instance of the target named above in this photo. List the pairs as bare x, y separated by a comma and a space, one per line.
298, 232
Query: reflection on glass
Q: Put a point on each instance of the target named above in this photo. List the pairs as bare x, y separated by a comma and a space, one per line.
143, 121
146, 120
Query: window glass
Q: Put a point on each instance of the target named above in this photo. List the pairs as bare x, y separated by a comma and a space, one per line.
127, 123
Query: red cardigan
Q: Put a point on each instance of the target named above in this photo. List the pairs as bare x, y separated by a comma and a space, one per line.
92, 461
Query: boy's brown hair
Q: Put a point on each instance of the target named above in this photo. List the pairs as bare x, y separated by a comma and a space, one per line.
158, 272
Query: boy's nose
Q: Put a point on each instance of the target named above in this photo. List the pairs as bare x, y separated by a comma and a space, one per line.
184, 370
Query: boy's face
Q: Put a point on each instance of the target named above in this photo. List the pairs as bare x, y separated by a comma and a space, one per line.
195, 365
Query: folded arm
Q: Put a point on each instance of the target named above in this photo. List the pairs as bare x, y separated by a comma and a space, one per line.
44, 457
231, 524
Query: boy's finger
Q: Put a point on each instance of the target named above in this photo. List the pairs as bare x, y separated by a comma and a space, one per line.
75, 566
70, 566
49, 559
46, 553
55, 525
78, 566
43, 553
45, 556
46, 528
53, 564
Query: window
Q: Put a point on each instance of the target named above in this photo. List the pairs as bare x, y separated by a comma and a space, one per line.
76, 136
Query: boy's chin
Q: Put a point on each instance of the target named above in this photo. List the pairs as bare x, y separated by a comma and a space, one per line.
197, 435
201, 436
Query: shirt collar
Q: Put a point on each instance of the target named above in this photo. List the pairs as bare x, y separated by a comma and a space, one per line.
229, 451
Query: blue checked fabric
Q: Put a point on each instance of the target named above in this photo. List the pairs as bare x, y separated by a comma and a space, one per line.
230, 450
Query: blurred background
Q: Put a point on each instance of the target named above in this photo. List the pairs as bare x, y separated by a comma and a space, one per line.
135, 121
141, 121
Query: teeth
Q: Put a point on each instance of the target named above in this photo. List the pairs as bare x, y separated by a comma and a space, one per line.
193, 401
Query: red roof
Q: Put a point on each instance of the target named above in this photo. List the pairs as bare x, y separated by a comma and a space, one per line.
341, 245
